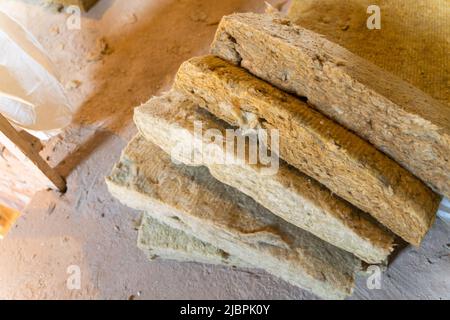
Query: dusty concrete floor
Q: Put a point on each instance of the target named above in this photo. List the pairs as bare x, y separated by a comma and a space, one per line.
86, 227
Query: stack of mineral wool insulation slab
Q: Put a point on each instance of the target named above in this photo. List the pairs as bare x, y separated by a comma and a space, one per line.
159, 241
331, 202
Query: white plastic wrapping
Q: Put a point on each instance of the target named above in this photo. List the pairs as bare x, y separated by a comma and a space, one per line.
31, 95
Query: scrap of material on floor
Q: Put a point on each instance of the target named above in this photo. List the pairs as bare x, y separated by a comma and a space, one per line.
112, 65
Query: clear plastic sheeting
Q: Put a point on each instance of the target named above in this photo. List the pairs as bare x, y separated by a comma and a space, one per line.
31, 96
444, 211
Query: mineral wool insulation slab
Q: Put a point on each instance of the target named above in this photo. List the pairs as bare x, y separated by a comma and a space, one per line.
170, 120
159, 241
393, 115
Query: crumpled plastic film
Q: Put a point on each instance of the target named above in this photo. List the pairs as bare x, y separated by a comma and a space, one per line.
31, 96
